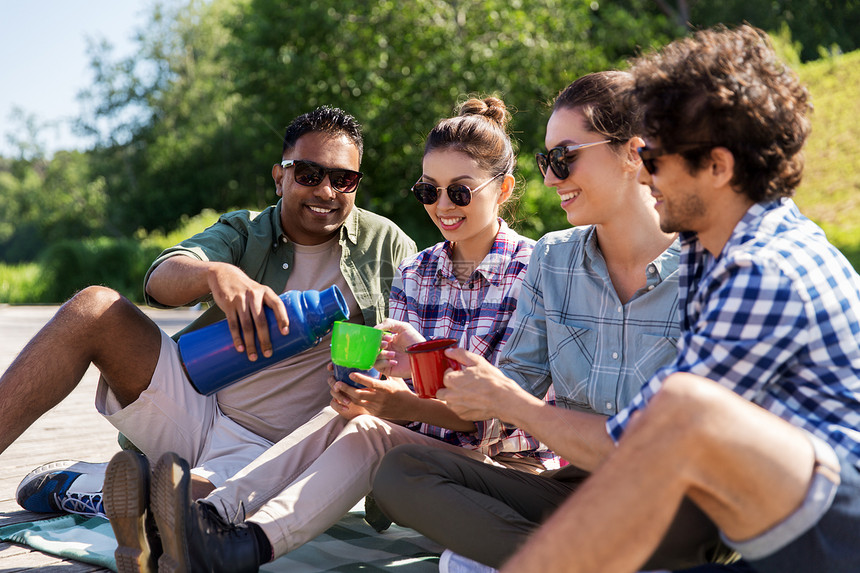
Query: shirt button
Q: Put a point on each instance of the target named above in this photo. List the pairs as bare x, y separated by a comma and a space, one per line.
650, 287
615, 355
652, 269
285, 266
618, 309
609, 405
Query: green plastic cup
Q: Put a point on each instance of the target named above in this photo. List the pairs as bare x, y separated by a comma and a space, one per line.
355, 345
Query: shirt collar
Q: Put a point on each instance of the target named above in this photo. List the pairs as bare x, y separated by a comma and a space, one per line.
664, 265
591, 252
492, 267
349, 229
752, 222
749, 225
667, 262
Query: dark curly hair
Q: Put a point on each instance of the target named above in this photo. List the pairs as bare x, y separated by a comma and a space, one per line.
727, 88
325, 119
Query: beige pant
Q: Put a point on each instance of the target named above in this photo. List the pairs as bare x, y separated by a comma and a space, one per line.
306, 482
170, 416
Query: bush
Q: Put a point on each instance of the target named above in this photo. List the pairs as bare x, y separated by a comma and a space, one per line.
69, 266
21, 284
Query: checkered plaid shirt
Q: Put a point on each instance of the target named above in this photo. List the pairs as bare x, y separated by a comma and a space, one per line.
428, 295
776, 318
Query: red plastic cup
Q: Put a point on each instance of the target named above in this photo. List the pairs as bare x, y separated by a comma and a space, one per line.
428, 362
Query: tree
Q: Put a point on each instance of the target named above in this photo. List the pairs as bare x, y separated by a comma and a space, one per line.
399, 71
48, 200
819, 25
197, 118
164, 121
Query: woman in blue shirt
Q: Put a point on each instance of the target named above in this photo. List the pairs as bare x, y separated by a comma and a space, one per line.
596, 317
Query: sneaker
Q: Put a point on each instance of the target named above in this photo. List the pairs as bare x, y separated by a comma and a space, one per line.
450, 562
192, 532
64, 486
126, 495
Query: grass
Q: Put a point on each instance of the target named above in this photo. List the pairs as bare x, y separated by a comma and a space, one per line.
21, 284
830, 192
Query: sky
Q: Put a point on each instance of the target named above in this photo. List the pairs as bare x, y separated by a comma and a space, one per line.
45, 62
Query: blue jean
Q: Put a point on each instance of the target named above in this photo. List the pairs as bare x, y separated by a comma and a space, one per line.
831, 544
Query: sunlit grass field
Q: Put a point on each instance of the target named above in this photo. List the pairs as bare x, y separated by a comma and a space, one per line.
830, 192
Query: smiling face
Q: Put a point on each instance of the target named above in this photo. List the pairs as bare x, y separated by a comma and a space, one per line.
313, 215
477, 221
590, 194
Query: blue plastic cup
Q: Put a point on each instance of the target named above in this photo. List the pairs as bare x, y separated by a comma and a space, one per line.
341, 374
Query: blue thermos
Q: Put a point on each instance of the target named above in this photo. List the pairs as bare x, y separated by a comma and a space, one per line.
211, 361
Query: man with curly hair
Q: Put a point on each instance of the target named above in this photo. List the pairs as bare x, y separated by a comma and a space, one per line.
756, 422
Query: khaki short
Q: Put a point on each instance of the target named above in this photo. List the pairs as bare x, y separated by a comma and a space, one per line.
170, 416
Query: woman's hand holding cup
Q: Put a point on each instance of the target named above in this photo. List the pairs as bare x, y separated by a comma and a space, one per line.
392, 359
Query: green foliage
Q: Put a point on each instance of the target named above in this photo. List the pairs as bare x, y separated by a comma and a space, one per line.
67, 266
189, 226
194, 119
400, 71
814, 24
48, 200
221, 79
173, 144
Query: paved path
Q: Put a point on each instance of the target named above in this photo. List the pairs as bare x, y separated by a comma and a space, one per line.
72, 430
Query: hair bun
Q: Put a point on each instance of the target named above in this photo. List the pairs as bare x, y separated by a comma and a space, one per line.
490, 107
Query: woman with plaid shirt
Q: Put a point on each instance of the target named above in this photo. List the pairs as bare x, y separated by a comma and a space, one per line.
465, 287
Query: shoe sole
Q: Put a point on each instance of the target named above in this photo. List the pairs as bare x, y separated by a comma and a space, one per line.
126, 492
171, 496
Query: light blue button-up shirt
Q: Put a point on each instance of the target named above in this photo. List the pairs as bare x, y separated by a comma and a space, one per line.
571, 331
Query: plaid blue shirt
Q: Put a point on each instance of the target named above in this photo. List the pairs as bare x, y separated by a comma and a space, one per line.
428, 295
572, 334
776, 318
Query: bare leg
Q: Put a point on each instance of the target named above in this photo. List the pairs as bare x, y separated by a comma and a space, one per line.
96, 326
744, 467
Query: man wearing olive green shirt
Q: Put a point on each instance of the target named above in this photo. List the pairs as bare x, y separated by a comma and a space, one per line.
312, 238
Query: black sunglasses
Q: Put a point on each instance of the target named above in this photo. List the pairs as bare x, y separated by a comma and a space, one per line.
557, 158
648, 155
311, 174
459, 194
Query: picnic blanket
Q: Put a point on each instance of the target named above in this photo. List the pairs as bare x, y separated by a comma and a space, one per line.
349, 545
